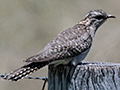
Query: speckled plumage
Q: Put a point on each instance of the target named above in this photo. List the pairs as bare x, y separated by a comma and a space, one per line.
70, 45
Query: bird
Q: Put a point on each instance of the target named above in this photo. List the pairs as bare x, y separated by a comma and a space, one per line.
70, 46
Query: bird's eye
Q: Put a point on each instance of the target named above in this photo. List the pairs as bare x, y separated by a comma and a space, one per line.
99, 17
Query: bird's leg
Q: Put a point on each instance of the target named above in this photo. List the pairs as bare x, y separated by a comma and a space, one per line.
80, 63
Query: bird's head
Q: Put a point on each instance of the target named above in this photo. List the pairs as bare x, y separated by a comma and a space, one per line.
96, 18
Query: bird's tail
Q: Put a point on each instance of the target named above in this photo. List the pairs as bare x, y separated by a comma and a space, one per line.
24, 71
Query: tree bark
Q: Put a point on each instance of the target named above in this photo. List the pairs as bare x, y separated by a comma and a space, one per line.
87, 76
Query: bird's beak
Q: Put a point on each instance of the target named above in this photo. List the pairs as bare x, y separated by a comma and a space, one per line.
110, 16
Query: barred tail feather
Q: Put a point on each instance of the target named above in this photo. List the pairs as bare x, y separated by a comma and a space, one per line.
24, 70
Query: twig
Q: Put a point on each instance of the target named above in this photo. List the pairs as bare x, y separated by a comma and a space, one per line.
28, 77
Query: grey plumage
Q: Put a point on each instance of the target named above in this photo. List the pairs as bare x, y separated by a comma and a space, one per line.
69, 46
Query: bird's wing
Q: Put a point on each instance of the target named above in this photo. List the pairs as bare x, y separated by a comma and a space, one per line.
69, 43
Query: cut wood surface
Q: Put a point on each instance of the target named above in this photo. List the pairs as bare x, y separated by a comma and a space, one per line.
87, 76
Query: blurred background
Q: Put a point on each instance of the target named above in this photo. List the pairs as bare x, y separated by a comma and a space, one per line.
26, 26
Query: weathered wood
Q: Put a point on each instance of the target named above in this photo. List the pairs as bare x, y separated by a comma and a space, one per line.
87, 76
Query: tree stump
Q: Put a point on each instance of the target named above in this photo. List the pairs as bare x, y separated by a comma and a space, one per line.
87, 76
